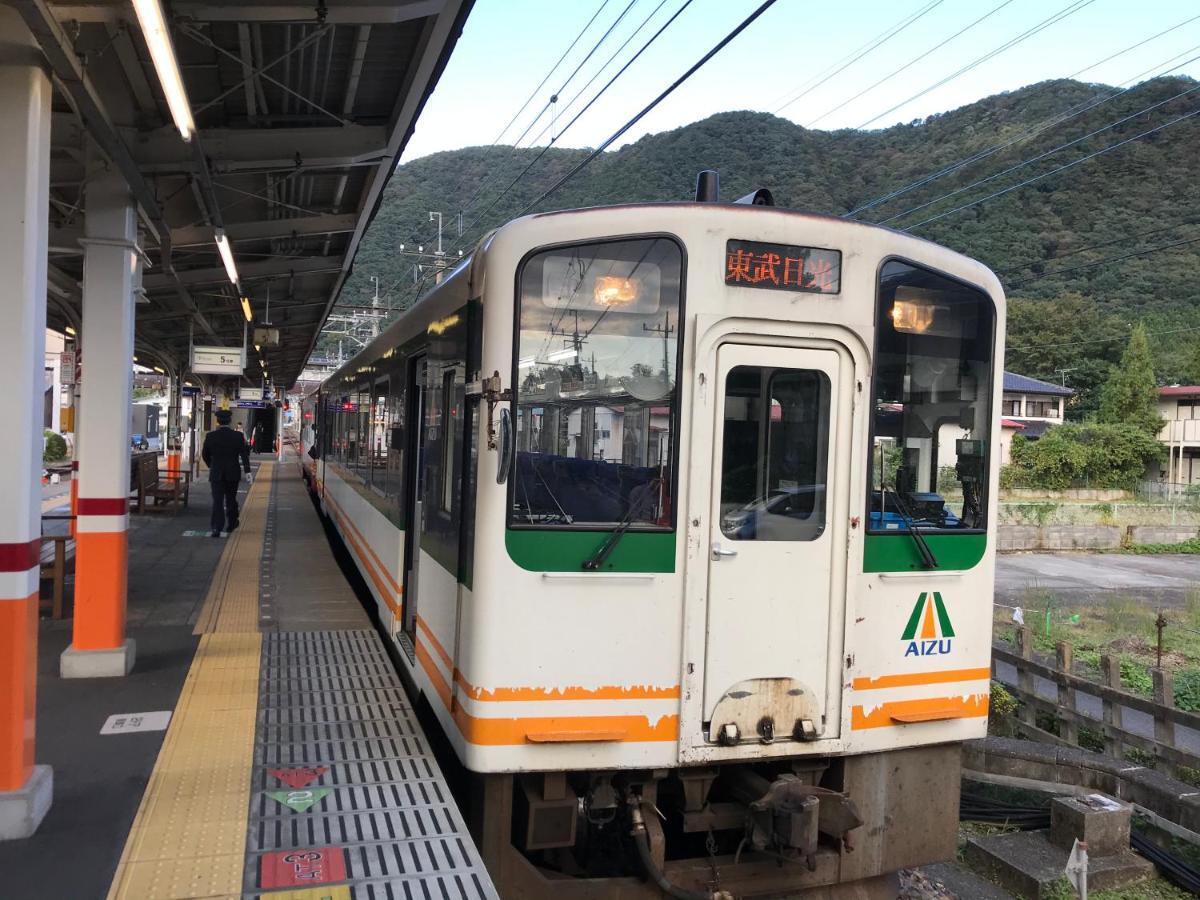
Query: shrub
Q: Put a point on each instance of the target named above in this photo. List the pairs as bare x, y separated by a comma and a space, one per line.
1103, 456
1135, 678
55, 447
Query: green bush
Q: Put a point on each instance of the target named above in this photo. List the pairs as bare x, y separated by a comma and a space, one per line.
1136, 678
1100, 456
55, 447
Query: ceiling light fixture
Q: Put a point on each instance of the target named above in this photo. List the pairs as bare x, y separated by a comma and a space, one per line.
226, 255
162, 53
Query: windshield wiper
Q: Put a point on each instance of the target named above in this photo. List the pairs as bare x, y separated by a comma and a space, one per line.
927, 557
596, 560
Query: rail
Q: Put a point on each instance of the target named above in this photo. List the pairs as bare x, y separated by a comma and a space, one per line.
1068, 719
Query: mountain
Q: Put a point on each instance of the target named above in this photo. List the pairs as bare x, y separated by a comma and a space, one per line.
1078, 321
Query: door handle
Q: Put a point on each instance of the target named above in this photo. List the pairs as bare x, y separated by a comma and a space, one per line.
718, 553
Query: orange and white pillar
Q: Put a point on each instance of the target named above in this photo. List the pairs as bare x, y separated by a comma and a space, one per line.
99, 647
25, 91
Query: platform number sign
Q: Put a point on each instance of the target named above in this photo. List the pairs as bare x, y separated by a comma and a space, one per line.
783, 267
300, 868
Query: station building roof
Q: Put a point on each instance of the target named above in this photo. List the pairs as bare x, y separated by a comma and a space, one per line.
302, 111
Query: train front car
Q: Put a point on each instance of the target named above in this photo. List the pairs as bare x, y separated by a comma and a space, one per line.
682, 517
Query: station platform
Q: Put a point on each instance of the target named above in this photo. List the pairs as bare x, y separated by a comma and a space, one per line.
293, 764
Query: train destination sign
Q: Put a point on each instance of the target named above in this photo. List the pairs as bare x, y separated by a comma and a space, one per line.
782, 267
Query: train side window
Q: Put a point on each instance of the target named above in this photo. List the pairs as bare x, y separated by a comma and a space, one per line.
774, 458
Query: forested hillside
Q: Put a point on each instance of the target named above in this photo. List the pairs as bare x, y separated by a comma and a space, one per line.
1077, 321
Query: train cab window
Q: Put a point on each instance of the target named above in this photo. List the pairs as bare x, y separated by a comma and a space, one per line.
596, 378
773, 455
932, 402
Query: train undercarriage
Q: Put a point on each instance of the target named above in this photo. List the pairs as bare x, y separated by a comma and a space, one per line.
822, 829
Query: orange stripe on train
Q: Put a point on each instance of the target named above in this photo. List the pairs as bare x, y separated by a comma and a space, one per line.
929, 709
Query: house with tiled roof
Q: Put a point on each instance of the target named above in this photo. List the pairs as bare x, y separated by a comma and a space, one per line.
1028, 408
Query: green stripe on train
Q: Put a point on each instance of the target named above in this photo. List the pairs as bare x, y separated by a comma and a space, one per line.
565, 551
897, 552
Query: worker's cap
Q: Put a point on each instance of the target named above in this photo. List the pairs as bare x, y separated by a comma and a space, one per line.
223, 416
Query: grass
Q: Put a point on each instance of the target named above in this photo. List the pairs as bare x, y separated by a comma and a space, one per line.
1122, 626
1192, 545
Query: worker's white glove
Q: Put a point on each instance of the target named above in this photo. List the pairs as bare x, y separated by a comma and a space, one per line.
249, 478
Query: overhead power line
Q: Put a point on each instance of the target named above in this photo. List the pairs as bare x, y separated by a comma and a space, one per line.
553, 69
695, 67
1069, 10
1078, 250
1104, 262
1104, 340
1055, 171
1031, 132
1038, 157
533, 162
846, 62
487, 182
916, 59
1152, 37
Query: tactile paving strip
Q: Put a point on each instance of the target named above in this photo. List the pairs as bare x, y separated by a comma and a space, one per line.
345, 794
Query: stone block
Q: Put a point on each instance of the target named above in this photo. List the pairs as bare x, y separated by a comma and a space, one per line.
22, 810
113, 663
1100, 822
1028, 865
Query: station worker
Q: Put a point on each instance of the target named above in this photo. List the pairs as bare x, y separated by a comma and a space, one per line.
227, 455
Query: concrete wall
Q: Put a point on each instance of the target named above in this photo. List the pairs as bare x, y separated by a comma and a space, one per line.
1093, 494
1089, 537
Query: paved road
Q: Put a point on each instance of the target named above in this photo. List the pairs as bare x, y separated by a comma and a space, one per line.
1162, 579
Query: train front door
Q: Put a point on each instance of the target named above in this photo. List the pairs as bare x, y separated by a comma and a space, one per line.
772, 571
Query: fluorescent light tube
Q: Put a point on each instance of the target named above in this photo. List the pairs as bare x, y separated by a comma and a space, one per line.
226, 255
162, 54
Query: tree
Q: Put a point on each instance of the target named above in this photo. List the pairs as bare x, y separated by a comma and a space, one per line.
1130, 396
1193, 364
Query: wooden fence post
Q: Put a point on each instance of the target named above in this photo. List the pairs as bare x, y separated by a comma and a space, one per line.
1164, 728
1026, 714
1110, 674
1068, 730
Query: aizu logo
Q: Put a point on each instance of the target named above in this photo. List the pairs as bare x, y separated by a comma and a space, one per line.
928, 631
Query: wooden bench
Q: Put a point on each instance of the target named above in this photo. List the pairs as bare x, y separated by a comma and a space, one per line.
165, 490
56, 550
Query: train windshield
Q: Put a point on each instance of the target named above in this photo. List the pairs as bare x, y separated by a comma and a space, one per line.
596, 384
932, 402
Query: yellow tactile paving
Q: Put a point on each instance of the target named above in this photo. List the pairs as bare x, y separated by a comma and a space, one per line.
189, 837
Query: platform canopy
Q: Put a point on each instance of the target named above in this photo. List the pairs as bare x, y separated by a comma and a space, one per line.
301, 113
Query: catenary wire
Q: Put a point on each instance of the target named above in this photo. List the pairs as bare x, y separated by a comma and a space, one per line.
1055, 171
1129, 85
1104, 262
1183, 223
1153, 37
537, 158
872, 45
553, 69
1040, 156
1069, 10
745, 23
695, 67
570, 103
912, 62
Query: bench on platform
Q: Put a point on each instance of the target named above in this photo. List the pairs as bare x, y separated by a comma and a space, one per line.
164, 489
57, 550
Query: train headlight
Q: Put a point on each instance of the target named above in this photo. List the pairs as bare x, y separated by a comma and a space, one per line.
613, 290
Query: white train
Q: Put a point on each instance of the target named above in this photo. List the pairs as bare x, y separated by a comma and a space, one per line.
683, 518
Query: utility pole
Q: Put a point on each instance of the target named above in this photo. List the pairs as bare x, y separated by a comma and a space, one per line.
1063, 373
666, 330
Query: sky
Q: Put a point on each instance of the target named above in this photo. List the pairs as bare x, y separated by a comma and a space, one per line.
799, 50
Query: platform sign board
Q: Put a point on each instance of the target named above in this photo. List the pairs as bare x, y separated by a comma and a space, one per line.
248, 393
218, 360
250, 404
66, 367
